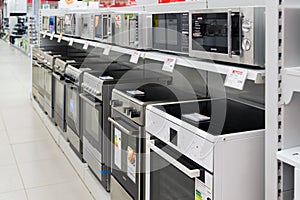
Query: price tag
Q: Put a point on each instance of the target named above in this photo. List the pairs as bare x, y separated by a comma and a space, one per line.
44, 35
236, 78
135, 57
52, 36
71, 41
169, 65
107, 50
86, 45
59, 39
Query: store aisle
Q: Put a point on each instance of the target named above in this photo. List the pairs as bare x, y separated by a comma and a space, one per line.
32, 167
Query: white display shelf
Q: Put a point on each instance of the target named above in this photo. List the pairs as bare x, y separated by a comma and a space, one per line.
290, 83
256, 75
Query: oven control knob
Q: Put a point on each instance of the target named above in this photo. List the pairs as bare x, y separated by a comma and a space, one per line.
246, 45
127, 110
98, 93
134, 114
116, 103
246, 26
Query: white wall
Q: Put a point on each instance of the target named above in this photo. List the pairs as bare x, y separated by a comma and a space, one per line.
233, 3
16, 6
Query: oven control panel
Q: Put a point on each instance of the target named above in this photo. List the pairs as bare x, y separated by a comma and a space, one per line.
92, 85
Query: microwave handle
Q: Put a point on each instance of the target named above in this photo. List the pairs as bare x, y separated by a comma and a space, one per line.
129, 30
107, 34
229, 33
190, 173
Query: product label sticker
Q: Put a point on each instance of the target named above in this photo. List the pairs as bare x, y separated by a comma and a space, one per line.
236, 78
71, 41
107, 50
106, 78
59, 38
135, 57
86, 46
131, 163
118, 21
196, 117
118, 148
135, 92
52, 35
199, 188
169, 65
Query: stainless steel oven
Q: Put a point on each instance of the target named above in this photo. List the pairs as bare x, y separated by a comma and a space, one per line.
171, 32
103, 27
37, 78
133, 30
87, 20
72, 24
235, 35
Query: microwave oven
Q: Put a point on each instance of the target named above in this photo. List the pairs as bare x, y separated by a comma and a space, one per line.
171, 32
72, 24
103, 27
52, 24
234, 35
59, 24
45, 23
133, 30
87, 31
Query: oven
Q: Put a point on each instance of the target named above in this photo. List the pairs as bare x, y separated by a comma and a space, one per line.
103, 27
38, 81
127, 139
171, 32
235, 35
133, 30
45, 23
87, 26
92, 110
72, 24
171, 175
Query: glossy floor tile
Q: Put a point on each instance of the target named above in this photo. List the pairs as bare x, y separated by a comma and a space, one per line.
32, 167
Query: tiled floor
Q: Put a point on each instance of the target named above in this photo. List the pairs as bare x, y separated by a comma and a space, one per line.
32, 167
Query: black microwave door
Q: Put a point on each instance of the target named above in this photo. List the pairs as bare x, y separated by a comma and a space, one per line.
173, 32
159, 31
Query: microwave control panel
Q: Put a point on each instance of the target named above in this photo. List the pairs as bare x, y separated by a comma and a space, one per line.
185, 33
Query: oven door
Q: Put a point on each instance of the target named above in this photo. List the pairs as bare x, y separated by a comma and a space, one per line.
126, 154
48, 92
59, 106
91, 111
217, 32
72, 107
172, 176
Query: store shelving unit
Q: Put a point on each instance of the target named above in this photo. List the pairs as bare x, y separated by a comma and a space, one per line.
256, 75
283, 100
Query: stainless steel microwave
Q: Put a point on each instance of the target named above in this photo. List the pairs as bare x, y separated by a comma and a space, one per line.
72, 24
133, 30
171, 32
87, 31
103, 27
235, 35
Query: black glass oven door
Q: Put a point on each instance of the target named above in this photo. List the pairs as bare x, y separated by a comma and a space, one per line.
126, 154
173, 32
159, 31
72, 107
172, 175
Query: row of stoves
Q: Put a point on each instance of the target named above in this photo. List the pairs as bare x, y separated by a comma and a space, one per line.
144, 139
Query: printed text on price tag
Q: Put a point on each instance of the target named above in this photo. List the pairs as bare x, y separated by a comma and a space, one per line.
135, 57
107, 50
236, 78
169, 65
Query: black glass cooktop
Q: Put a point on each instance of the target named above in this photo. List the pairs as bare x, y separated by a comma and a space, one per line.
226, 115
154, 92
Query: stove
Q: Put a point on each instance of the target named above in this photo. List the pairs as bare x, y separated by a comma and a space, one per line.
95, 105
208, 148
128, 115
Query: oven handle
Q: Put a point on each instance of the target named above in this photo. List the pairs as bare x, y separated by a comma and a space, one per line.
83, 96
127, 132
190, 173
129, 29
229, 33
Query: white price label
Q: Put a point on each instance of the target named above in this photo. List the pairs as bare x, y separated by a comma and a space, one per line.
71, 41
135, 57
169, 65
44, 35
59, 39
86, 45
236, 78
52, 36
107, 50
